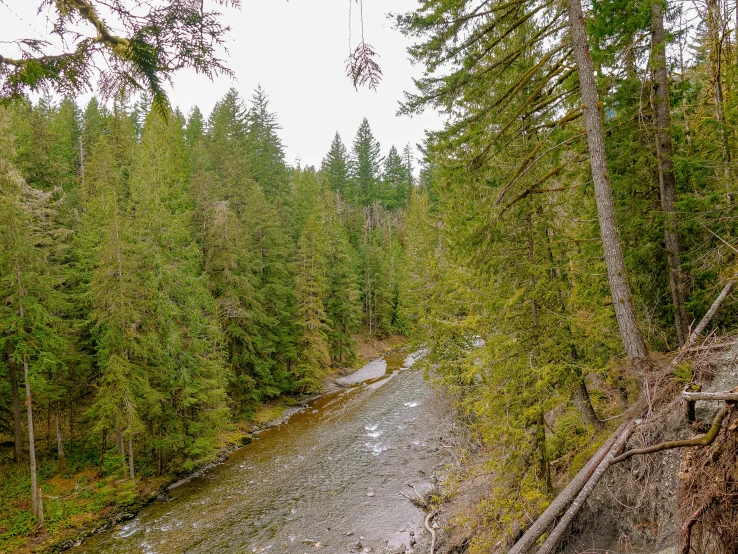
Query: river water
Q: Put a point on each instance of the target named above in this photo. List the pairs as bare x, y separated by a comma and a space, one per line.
329, 477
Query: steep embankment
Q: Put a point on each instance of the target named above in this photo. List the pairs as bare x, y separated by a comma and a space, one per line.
646, 504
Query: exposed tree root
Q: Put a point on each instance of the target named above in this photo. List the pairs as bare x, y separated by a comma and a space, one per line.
432, 532
699, 440
687, 527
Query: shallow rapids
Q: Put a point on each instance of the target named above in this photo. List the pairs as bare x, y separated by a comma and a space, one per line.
329, 478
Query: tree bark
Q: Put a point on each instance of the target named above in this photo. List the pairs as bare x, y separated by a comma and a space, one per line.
584, 402
715, 25
17, 425
31, 439
635, 346
667, 175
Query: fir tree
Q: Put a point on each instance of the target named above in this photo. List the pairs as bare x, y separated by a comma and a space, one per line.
312, 357
32, 331
365, 166
265, 152
336, 169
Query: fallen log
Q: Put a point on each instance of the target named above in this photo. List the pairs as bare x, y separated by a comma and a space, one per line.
562, 501
727, 396
557, 534
700, 440
711, 347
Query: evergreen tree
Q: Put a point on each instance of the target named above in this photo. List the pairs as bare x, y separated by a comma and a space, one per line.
397, 178
265, 152
342, 304
365, 166
31, 301
336, 169
312, 357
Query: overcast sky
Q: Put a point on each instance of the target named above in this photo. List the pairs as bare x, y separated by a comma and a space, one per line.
296, 50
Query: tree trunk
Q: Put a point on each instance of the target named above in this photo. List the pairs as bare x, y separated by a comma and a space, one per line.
17, 425
715, 25
635, 346
40, 497
59, 437
584, 402
543, 462
31, 439
131, 473
582, 398
667, 176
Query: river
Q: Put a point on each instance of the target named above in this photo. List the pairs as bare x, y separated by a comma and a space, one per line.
330, 477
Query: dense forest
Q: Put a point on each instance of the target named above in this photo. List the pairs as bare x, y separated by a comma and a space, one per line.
564, 138
162, 275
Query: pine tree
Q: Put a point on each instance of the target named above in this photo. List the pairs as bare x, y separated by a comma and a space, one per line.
336, 169
195, 126
342, 303
312, 357
365, 166
32, 333
156, 321
264, 147
397, 178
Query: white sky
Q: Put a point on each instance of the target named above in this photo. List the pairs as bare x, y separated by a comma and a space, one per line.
296, 50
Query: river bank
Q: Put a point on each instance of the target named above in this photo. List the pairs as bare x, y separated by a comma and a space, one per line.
333, 478
82, 502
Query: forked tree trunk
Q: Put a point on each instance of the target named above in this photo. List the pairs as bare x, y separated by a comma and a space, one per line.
31, 439
635, 346
667, 176
15, 400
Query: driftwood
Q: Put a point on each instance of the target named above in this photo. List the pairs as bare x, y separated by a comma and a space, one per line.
700, 440
703, 323
562, 501
556, 535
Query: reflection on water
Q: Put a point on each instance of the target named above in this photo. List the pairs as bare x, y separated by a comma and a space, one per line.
332, 474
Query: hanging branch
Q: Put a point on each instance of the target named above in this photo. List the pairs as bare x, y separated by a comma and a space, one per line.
361, 65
